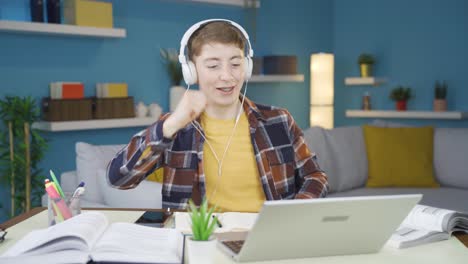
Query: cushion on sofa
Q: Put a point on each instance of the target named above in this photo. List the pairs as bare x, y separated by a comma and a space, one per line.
400, 157
89, 159
444, 197
146, 195
451, 157
341, 153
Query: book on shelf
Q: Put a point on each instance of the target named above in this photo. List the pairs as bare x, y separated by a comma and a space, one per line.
228, 222
88, 13
66, 90
111, 90
426, 224
89, 236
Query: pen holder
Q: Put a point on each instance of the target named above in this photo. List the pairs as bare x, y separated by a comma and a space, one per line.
59, 210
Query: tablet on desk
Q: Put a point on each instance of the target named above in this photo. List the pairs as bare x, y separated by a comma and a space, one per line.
152, 218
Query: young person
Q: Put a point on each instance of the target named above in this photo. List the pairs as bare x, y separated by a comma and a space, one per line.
217, 143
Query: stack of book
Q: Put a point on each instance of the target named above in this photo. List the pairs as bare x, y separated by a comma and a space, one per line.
66, 90
111, 90
88, 13
66, 102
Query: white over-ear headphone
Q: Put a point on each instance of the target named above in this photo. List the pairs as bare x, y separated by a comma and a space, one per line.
188, 67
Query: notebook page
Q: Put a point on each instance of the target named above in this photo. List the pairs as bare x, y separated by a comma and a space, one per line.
230, 221
79, 232
136, 243
234, 221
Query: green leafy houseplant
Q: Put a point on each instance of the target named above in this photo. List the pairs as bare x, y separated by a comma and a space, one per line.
366, 58
21, 149
440, 90
173, 67
203, 220
401, 93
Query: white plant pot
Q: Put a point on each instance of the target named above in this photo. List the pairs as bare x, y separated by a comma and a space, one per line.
175, 94
201, 252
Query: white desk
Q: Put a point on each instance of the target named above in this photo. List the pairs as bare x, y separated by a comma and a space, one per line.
451, 251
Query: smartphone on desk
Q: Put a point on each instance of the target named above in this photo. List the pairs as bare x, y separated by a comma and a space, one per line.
152, 218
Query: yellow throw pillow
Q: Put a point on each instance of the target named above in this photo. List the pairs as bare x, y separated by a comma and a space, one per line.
400, 157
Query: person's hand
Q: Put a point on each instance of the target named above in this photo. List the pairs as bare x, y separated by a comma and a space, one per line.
189, 108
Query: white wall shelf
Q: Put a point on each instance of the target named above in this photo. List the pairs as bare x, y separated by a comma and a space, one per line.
239, 3
364, 81
407, 114
93, 124
59, 29
277, 78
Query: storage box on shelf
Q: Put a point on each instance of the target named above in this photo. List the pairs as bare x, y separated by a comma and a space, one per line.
66, 109
105, 108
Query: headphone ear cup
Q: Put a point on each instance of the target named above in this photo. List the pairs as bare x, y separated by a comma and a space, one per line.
248, 67
189, 72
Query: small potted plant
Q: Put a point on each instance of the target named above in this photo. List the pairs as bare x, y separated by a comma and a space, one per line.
174, 70
202, 245
366, 61
440, 97
401, 95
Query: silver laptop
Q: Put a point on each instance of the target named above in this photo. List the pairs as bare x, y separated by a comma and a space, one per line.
321, 227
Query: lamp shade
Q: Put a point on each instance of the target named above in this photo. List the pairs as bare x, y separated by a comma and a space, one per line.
321, 89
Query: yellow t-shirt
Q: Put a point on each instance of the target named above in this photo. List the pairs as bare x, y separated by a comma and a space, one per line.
239, 188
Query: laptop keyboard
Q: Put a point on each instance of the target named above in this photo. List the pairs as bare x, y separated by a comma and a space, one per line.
234, 245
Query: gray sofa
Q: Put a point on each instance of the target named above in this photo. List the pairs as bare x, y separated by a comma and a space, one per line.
342, 155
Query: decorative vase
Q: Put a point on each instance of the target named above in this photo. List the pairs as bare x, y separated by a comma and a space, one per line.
201, 252
176, 93
37, 10
440, 105
366, 70
141, 110
53, 11
155, 110
401, 105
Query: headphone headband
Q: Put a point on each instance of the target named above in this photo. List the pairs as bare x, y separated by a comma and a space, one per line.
189, 71
192, 29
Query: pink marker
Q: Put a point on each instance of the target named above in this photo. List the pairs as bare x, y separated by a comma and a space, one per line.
62, 206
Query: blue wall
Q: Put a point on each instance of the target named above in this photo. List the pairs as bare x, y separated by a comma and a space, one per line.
415, 42
292, 27
28, 62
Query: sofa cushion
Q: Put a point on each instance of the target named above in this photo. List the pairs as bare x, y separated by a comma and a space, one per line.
400, 157
89, 159
146, 195
341, 153
451, 156
444, 197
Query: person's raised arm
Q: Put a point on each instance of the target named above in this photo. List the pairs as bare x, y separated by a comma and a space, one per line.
144, 153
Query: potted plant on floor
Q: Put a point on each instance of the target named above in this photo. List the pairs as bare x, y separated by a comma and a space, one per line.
21, 150
174, 70
401, 95
366, 61
202, 245
440, 97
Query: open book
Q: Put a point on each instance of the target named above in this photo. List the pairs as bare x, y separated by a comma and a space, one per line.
228, 222
425, 224
89, 236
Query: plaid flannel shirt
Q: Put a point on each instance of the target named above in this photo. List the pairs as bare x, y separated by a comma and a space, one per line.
287, 168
